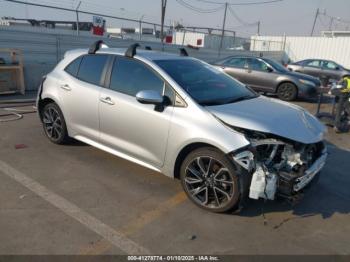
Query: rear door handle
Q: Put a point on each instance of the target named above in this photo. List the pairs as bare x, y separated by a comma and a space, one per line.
66, 87
107, 100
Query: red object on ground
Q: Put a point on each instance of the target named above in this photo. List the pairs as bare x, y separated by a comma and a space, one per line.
21, 146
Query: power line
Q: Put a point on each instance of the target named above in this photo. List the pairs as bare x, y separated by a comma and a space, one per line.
197, 9
241, 3
27, 3
241, 21
80, 11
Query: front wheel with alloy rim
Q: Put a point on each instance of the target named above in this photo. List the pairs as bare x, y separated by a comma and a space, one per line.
54, 124
287, 92
210, 180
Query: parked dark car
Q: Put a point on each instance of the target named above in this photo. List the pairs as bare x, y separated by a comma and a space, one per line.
267, 75
324, 69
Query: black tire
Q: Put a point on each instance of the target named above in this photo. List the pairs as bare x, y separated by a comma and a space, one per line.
218, 189
54, 124
287, 92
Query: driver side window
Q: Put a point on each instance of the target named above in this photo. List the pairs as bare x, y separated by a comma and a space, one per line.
257, 65
329, 65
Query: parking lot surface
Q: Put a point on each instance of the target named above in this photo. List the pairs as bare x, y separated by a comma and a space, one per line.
76, 199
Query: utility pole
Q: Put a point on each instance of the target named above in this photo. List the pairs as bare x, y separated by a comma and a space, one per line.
259, 28
164, 2
223, 28
331, 24
77, 13
316, 16
140, 26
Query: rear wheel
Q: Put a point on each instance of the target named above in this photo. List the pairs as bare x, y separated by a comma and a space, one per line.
54, 124
210, 180
287, 92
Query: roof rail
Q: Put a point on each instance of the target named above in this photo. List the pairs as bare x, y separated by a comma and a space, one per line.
131, 52
183, 52
96, 46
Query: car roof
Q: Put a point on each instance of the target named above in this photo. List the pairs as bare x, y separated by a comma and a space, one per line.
146, 54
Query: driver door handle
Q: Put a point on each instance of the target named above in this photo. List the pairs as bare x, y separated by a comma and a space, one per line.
66, 87
107, 100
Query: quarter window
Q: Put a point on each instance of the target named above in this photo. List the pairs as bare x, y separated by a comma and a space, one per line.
91, 68
130, 77
73, 67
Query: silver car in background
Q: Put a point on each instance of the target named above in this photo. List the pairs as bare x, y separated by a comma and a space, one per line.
269, 76
186, 119
323, 69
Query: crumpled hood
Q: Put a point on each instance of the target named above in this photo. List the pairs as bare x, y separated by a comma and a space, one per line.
271, 116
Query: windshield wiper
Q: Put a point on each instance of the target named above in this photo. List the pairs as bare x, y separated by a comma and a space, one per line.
221, 102
242, 98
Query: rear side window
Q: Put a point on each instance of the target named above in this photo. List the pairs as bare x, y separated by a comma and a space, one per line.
73, 67
130, 76
91, 68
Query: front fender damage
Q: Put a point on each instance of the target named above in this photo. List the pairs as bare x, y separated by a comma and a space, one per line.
278, 167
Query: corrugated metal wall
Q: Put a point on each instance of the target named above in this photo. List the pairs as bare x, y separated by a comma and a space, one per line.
42, 51
299, 48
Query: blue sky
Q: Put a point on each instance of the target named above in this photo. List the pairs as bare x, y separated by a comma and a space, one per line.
293, 17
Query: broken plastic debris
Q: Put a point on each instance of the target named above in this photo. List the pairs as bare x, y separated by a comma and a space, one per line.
21, 146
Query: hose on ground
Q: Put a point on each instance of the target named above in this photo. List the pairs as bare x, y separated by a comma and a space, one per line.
14, 114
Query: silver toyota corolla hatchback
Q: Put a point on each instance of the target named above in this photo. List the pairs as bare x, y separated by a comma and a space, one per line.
186, 119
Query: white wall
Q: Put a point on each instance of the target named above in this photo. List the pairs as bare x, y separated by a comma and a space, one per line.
188, 38
299, 48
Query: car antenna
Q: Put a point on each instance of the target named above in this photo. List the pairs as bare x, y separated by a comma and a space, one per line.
131, 52
183, 52
148, 48
96, 46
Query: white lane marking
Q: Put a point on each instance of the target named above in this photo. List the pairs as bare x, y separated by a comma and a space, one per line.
114, 237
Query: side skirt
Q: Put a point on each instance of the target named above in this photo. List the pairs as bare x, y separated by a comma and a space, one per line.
116, 153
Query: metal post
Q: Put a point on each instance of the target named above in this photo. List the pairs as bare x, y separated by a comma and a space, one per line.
259, 28
223, 29
316, 16
140, 26
77, 13
164, 2
140, 29
183, 38
331, 24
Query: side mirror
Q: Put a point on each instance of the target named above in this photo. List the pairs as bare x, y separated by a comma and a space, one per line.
149, 97
269, 69
337, 68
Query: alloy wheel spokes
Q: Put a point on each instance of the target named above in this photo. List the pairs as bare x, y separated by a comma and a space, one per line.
209, 182
53, 123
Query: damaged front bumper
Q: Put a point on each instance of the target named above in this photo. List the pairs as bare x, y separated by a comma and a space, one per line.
281, 168
303, 181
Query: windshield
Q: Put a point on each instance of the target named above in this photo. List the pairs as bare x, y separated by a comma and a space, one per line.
204, 83
277, 66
